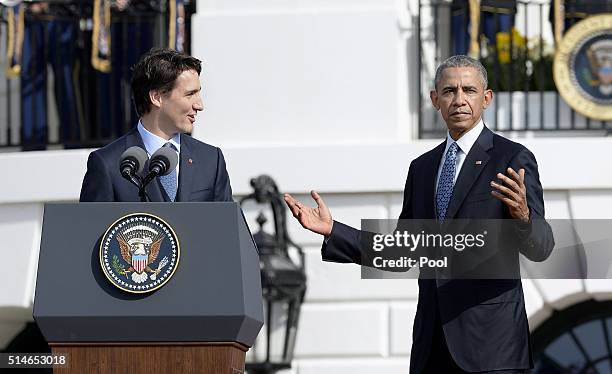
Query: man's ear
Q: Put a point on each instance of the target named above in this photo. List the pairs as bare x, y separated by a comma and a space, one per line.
488, 97
156, 98
433, 95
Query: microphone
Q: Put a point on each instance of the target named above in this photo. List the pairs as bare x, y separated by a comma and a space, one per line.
132, 163
163, 162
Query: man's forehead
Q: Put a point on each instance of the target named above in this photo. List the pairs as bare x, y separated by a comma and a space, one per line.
460, 72
464, 76
189, 75
188, 79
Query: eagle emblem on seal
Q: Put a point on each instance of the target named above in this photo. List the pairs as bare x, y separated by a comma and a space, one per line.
599, 55
139, 248
139, 253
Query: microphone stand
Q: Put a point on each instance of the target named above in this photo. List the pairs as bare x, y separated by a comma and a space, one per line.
143, 182
144, 197
138, 181
148, 178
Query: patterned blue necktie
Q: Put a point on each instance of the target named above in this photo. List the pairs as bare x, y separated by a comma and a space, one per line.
169, 181
446, 182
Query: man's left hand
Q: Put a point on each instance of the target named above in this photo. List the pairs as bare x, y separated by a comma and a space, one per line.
513, 193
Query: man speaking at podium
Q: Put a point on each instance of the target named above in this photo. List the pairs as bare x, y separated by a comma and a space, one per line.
463, 325
166, 92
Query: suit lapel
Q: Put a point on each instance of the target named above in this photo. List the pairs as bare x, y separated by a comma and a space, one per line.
186, 171
153, 189
429, 180
470, 171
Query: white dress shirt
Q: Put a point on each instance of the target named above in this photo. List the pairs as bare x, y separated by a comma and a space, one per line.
464, 145
153, 142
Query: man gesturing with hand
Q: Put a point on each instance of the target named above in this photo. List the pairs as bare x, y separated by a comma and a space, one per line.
461, 325
317, 219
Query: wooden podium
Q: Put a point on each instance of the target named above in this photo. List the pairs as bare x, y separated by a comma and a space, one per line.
203, 320
147, 358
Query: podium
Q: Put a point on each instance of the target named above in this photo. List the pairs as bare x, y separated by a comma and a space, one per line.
202, 319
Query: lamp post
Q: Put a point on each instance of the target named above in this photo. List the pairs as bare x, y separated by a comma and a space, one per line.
283, 280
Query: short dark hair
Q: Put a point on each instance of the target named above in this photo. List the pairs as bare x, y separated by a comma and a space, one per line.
158, 70
461, 61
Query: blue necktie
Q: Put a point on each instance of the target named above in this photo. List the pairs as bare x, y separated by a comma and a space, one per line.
446, 182
169, 181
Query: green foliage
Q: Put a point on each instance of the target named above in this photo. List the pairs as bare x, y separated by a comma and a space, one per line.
117, 267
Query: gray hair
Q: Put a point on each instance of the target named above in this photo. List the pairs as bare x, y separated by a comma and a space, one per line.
461, 61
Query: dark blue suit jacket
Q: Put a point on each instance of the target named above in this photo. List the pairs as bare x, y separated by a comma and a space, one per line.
484, 320
203, 179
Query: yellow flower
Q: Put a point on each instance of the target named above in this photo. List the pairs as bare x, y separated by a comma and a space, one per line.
503, 44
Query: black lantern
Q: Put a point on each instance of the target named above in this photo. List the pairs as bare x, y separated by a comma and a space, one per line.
283, 281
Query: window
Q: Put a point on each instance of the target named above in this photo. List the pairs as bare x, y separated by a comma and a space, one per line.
575, 340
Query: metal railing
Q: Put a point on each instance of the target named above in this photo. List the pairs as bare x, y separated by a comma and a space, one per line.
516, 45
59, 99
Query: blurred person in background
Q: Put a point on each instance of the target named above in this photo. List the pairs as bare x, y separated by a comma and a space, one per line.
129, 36
470, 19
50, 31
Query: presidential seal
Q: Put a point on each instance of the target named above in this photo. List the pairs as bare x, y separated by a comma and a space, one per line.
583, 67
139, 253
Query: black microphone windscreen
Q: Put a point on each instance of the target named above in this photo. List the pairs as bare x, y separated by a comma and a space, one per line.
168, 156
139, 154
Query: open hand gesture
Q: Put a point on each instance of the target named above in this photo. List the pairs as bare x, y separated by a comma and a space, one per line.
318, 220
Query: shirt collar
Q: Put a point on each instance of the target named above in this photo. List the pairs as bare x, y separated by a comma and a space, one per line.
153, 142
468, 139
